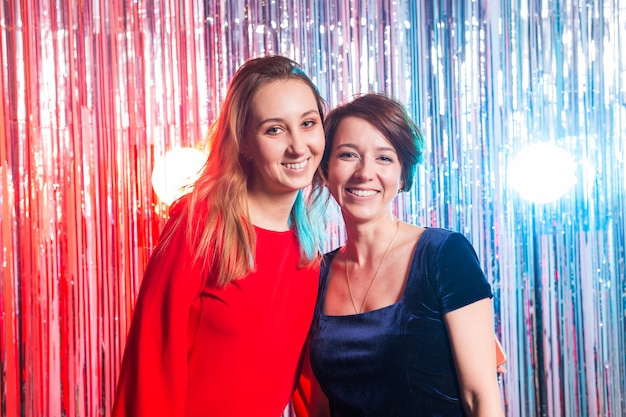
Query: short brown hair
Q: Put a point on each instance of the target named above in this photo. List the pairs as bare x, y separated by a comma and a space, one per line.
390, 118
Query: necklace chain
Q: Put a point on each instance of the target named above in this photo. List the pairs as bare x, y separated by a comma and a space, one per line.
375, 273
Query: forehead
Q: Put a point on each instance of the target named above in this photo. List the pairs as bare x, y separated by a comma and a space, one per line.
281, 98
357, 131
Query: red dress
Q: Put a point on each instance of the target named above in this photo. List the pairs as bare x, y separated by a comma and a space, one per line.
197, 350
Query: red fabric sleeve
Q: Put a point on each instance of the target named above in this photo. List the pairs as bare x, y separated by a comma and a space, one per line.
302, 396
153, 376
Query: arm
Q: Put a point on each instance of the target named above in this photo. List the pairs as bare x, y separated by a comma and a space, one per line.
309, 399
470, 329
153, 375
301, 398
319, 403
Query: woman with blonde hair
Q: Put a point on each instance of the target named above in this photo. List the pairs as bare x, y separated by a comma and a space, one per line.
227, 298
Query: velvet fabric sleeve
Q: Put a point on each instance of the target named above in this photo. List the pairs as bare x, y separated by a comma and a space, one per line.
458, 277
153, 375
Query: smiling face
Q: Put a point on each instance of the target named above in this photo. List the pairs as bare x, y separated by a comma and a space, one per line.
284, 139
364, 171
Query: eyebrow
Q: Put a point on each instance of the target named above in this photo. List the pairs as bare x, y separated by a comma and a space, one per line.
279, 119
379, 149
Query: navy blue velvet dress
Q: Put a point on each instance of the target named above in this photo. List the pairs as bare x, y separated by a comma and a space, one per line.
396, 361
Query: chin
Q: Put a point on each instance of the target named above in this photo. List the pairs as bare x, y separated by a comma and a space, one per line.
301, 183
297, 187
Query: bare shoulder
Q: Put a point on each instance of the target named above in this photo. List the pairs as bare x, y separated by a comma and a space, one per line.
409, 235
411, 232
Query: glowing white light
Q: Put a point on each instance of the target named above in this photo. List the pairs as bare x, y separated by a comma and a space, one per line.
542, 173
175, 170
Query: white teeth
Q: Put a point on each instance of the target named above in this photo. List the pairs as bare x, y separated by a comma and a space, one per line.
363, 193
296, 166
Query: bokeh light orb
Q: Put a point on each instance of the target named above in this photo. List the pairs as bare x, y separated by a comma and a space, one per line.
174, 171
542, 173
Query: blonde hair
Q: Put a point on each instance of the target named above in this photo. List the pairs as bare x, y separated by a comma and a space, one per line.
225, 243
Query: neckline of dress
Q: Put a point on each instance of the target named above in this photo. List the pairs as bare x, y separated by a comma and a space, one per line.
397, 303
279, 232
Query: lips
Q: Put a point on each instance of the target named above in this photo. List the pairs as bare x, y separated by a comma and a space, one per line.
298, 165
361, 193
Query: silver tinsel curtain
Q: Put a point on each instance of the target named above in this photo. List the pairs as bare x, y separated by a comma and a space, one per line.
94, 93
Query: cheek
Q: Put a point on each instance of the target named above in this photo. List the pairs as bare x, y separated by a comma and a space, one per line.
317, 142
395, 178
333, 188
271, 151
336, 177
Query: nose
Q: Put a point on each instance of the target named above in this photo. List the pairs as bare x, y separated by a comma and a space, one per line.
364, 169
297, 143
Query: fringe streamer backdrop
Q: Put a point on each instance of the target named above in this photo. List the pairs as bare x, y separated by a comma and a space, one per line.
93, 93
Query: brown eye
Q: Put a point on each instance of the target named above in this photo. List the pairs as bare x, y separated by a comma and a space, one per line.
273, 131
347, 155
